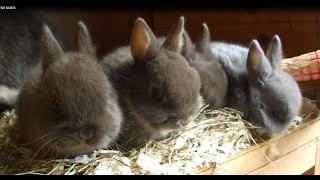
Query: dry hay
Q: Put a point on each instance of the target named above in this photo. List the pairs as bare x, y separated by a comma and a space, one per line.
208, 141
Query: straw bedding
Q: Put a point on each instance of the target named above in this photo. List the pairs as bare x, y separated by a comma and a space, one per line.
208, 141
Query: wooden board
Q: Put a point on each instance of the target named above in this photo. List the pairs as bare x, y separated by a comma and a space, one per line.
317, 164
271, 150
241, 26
294, 163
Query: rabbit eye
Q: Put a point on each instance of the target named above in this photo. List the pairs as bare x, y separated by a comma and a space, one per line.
156, 95
260, 84
276, 113
261, 106
55, 105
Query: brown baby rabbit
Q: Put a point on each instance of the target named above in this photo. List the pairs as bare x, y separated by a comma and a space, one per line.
67, 106
159, 91
214, 82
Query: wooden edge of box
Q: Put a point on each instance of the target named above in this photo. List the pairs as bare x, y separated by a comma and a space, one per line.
257, 156
317, 163
295, 162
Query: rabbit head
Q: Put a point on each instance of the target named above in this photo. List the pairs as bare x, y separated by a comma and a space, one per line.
166, 90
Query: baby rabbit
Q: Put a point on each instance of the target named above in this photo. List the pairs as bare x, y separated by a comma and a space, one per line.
268, 97
19, 48
67, 106
214, 81
159, 91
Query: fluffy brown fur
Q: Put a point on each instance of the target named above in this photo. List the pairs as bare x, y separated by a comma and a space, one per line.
159, 91
214, 80
67, 106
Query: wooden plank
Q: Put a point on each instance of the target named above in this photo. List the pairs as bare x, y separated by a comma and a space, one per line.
309, 172
273, 149
225, 26
235, 16
317, 164
294, 163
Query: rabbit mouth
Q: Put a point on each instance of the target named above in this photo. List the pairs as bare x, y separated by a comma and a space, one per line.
77, 150
174, 123
62, 152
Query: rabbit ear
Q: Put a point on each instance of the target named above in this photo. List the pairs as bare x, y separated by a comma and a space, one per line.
174, 41
204, 39
84, 40
187, 45
143, 42
257, 65
274, 52
50, 48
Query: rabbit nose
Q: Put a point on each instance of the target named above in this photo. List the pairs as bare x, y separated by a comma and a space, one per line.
87, 136
172, 118
183, 122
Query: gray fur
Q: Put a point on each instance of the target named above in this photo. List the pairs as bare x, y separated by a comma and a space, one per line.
19, 46
67, 106
155, 68
214, 80
268, 96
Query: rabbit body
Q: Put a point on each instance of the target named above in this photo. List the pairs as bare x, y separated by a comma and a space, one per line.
67, 106
159, 92
214, 81
268, 96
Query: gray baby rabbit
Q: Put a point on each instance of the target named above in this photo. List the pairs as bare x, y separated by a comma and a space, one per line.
268, 96
19, 49
159, 91
67, 106
214, 81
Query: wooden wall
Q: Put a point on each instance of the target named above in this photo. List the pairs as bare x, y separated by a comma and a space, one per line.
299, 29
